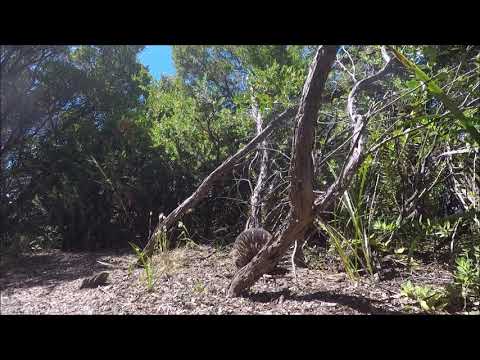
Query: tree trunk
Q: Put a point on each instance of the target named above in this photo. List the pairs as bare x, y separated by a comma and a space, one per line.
303, 208
301, 175
255, 218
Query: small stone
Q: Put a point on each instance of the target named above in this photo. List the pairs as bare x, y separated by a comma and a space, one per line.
329, 304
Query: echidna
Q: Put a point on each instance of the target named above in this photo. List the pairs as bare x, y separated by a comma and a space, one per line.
94, 281
248, 244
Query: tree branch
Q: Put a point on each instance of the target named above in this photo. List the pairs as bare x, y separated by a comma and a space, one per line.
359, 123
207, 183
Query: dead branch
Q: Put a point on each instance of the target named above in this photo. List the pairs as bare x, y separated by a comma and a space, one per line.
358, 141
207, 183
254, 219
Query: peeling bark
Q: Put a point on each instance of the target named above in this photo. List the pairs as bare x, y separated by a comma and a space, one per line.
255, 219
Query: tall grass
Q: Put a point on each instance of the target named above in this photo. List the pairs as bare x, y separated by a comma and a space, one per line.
358, 212
164, 260
343, 247
147, 265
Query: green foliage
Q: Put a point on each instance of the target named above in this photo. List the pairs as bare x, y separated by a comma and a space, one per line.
469, 123
467, 275
91, 93
355, 214
344, 248
192, 136
429, 298
466, 285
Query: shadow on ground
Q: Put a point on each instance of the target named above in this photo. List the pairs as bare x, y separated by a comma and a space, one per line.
48, 269
361, 304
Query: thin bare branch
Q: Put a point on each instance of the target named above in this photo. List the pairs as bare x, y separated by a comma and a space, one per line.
207, 183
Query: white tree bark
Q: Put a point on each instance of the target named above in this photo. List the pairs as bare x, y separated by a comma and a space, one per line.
255, 217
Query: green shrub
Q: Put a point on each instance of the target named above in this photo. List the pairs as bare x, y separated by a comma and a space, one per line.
430, 299
467, 275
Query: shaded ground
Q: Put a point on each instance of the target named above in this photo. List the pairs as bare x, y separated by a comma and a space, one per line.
193, 281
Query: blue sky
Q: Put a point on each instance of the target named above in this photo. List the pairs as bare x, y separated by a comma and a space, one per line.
159, 60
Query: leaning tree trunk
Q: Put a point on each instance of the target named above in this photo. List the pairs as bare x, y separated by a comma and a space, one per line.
207, 183
303, 208
301, 175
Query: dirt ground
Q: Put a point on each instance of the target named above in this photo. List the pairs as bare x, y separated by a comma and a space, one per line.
194, 281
